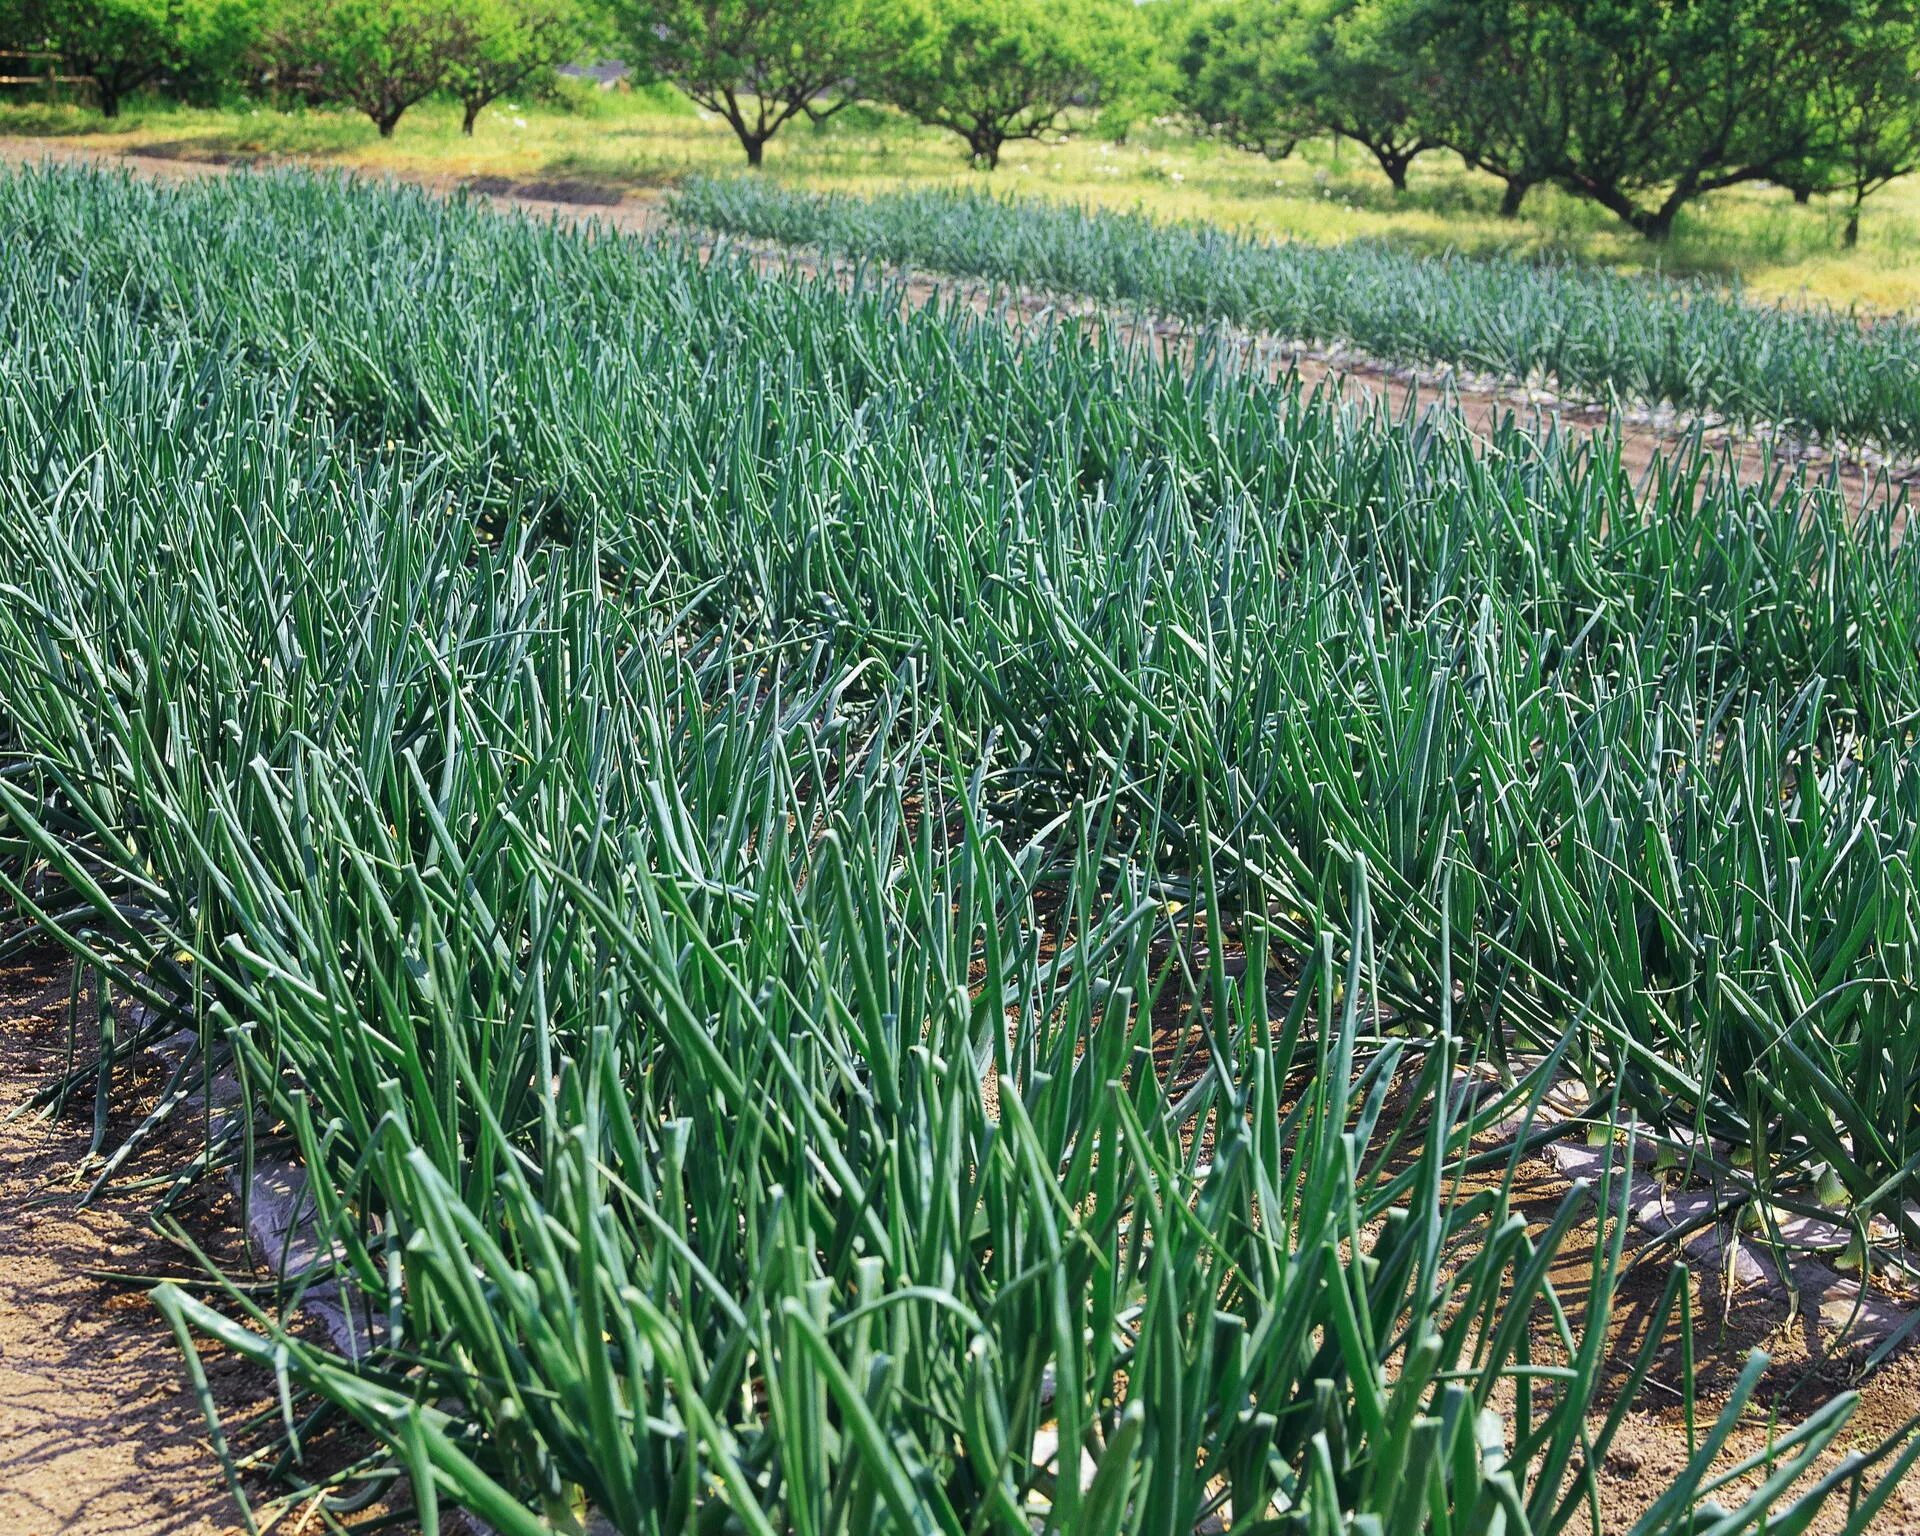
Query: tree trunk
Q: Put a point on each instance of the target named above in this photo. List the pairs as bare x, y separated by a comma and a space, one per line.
1658, 225
753, 141
985, 146
1625, 209
1802, 194
470, 116
1850, 237
386, 122
1395, 165
1517, 189
109, 98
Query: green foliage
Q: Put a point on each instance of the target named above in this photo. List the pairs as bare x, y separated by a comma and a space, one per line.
1641, 106
1244, 74
126, 44
1265, 74
997, 71
1364, 80
757, 63
379, 57
1867, 110
616, 751
382, 57
1490, 81
515, 46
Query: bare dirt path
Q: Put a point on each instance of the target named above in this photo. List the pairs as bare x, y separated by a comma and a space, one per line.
99, 1432
1646, 436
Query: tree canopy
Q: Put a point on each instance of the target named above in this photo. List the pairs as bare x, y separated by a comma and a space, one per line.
1244, 74
1264, 74
514, 45
122, 45
997, 71
1641, 106
756, 63
1866, 110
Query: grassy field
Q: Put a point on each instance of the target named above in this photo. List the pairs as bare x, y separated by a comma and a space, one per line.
867, 923
1327, 193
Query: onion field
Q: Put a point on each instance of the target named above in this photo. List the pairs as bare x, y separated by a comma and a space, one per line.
1647, 341
866, 920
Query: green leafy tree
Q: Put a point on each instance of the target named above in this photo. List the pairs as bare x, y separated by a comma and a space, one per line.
1264, 74
123, 45
1244, 74
757, 63
1640, 105
378, 56
1365, 83
999, 71
1151, 88
1490, 81
511, 46
1672, 102
1867, 108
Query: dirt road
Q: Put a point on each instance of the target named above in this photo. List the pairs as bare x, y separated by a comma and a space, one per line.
99, 1433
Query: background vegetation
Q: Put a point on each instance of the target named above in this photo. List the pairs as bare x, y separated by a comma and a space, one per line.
1424, 120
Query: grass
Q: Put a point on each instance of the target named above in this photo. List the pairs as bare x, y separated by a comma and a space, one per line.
1327, 194
869, 922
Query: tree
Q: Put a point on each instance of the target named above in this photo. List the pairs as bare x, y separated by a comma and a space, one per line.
378, 56
1264, 74
122, 45
1365, 83
1674, 101
1867, 108
999, 71
512, 46
1244, 74
1640, 105
1490, 90
1149, 86
757, 63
